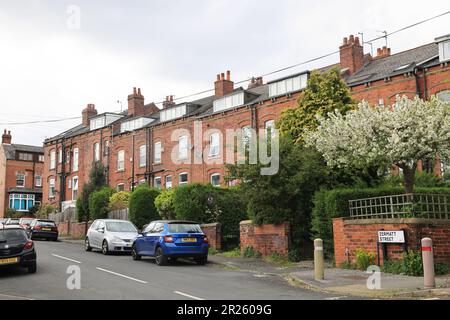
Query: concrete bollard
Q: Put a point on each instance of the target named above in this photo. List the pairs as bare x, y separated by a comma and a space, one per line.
428, 263
318, 259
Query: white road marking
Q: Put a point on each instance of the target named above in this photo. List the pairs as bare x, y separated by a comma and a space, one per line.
336, 298
121, 275
188, 295
431, 299
14, 297
68, 259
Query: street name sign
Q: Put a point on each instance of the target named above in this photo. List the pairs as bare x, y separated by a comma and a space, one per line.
391, 236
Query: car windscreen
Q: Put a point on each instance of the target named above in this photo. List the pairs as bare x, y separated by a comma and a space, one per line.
12, 235
46, 223
13, 221
184, 228
26, 221
117, 226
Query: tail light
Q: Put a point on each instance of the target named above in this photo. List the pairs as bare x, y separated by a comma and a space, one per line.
55, 229
205, 239
28, 245
168, 239
37, 228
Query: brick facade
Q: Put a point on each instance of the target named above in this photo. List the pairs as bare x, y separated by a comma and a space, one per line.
214, 233
350, 235
266, 239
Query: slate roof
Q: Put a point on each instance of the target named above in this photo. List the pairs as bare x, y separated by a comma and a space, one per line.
11, 149
381, 68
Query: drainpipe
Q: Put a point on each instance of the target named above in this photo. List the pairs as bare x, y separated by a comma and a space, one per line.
132, 166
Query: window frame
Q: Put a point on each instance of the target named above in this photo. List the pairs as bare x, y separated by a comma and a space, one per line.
121, 162
165, 181
75, 190
155, 184
142, 156
52, 159
183, 153
52, 188
157, 159
214, 150
180, 183
216, 174
23, 180
120, 185
36, 179
96, 151
76, 159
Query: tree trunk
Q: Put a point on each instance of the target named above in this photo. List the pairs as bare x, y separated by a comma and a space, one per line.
409, 175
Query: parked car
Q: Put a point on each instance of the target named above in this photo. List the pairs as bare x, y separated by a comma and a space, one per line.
12, 221
111, 235
43, 229
25, 221
16, 250
171, 239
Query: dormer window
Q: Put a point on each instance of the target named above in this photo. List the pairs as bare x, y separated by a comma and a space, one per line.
97, 123
444, 48
229, 102
173, 112
103, 120
287, 85
134, 124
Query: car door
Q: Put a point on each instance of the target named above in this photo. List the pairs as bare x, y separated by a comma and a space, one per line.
92, 232
154, 237
97, 235
143, 243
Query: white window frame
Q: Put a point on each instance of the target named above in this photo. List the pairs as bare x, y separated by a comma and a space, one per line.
444, 51
269, 124
60, 156
229, 102
158, 152
120, 185
155, 182
41, 158
288, 85
142, 156
51, 188
76, 158
182, 149
52, 159
36, 179
211, 179
214, 144
168, 185
21, 197
96, 151
121, 160
75, 182
17, 178
184, 182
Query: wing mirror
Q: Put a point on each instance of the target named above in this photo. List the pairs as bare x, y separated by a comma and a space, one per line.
101, 230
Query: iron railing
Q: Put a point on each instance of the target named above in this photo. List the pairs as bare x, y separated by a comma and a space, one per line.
413, 205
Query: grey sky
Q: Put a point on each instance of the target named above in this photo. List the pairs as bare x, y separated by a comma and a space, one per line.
165, 47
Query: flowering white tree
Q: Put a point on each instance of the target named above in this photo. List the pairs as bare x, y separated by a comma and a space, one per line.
401, 134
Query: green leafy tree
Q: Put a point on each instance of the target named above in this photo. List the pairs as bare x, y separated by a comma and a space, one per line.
45, 210
165, 204
119, 200
324, 93
97, 180
99, 203
142, 207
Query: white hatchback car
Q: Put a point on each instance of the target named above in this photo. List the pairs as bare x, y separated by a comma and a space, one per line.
110, 235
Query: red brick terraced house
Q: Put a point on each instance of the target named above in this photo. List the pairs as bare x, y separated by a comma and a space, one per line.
21, 175
140, 145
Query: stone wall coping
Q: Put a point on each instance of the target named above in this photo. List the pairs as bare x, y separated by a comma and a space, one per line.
246, 222
214, 224
348, 221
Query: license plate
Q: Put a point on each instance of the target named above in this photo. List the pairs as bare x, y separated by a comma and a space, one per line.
188, 239
9, 260
46, 229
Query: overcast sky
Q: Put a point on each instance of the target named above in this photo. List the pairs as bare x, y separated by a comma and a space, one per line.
51, 66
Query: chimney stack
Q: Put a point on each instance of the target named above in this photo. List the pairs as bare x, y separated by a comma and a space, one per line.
255, 82
383, 52
169, 102
6, 137
223, 86
136, 103
351, 54
88, 113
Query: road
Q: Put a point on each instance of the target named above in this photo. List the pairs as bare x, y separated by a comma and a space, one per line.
119, 277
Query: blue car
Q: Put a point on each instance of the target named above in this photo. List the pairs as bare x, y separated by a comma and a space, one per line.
167, 240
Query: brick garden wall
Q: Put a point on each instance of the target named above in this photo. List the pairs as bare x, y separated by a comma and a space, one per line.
266, 239
72, 229
355, 234
214, 233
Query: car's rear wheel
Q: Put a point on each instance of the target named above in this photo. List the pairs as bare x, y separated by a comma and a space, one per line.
105, 249
134, 253
87, 245
32, 268
160, 258
201, 260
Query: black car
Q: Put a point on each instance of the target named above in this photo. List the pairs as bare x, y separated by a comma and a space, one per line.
44, 229
16, 250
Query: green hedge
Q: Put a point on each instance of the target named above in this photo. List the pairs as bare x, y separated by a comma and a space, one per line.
99, 203
142, 207
329, 204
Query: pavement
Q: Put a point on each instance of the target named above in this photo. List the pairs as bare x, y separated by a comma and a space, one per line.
118, 277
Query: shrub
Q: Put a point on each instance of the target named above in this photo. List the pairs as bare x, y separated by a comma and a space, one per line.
82, 203
250, 252
364, 259
412, 263
294, 255
442, 269
99, 203
141, 205
329, 204
9, 213
119, 200
165, 205
45, 210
